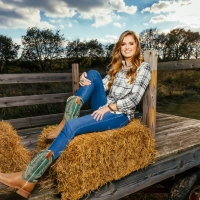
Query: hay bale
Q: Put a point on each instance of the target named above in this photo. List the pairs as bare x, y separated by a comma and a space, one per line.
94, 159
13, 155
43, 143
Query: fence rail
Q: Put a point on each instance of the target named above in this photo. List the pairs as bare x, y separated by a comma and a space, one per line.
35, 78
181, 64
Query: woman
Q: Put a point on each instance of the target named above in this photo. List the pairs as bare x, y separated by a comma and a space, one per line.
126, 81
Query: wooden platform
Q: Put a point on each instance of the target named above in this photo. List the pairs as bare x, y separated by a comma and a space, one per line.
175, 134
178, 147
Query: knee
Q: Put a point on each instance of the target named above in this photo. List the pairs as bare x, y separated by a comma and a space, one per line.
93, 73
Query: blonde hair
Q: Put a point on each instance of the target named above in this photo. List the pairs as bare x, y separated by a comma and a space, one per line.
117, 57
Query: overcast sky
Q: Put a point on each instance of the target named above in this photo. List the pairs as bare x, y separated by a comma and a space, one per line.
104, 20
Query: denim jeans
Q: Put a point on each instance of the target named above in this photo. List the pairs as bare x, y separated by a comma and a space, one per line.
87, 124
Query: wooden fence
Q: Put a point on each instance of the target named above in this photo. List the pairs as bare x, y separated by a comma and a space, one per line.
149, 100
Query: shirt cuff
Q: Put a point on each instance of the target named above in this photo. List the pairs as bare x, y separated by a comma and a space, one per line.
120, 105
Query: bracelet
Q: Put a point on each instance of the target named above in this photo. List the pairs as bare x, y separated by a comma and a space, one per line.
111, 109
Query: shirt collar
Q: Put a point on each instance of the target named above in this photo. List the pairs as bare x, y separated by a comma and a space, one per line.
123, 66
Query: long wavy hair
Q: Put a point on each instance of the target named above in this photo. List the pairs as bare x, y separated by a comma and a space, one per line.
117, 57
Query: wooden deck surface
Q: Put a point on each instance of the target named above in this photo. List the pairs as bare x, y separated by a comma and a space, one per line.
173, 134
176, 138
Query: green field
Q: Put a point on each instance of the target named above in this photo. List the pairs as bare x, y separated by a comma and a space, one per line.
181, 105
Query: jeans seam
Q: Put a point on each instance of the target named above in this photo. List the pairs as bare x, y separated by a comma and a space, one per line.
124, 123
67, 132
98, 122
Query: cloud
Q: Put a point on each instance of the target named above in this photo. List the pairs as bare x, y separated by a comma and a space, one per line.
53, 21
146, 10
16, 17
166, 6
165, 31
62, 27
101, 20
69, 24
104, 41
117, 24
186, 12
17, 40
27, 13
114, 37
162, 18
101, 40
120, 6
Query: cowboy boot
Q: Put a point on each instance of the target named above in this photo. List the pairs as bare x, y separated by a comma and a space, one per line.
72, 110
25, 181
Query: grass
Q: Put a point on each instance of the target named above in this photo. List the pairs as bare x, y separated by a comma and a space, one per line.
183, 105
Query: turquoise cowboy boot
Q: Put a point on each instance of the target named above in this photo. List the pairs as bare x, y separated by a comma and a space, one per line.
73, 106
72, 110
25, 181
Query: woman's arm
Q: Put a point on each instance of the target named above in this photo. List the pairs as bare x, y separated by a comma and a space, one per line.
98, 114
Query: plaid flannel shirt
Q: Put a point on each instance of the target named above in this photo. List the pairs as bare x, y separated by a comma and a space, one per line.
126, 95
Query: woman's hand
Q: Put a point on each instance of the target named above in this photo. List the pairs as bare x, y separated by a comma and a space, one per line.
98, 114
83, 80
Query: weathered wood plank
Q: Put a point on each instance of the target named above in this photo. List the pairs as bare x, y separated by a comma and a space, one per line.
167, 118
40, 120
178, 130
35, 78
163, 115
33, 99
176, 134
176, 125
180, 64
29, 137
169, 125
75, 78
149, 98
179, 137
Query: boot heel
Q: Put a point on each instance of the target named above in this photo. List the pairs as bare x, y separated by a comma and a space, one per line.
23, 193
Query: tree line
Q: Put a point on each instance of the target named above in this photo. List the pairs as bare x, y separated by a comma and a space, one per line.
45, 50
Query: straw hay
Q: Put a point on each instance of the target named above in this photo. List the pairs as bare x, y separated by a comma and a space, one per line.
94, 159
43, 143
13, 156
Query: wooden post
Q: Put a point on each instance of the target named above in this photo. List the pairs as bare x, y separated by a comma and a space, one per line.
75, 77
149, 98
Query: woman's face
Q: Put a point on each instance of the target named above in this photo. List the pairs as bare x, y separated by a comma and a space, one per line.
128, 47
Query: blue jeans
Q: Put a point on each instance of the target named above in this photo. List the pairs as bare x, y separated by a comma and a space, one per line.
87, 124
